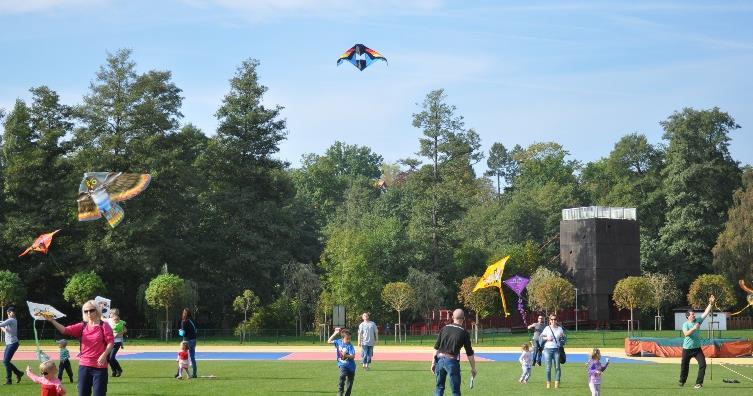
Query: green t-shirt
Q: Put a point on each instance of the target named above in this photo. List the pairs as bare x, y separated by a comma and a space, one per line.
118, 328
694, 340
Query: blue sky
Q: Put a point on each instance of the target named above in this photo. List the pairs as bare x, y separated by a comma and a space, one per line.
579, 73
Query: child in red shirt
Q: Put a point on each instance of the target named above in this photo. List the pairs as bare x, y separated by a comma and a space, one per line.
183, 362
51, 385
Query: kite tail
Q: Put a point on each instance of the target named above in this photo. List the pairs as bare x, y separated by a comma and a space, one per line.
41, 356
740, 311
504, 302
522, 310
115, 215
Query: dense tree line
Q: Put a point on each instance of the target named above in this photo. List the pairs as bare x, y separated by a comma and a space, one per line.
224, 213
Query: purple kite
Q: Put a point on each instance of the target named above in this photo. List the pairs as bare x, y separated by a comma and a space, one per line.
518, 284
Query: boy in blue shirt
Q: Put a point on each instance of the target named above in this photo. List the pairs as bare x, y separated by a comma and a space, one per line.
345, 355
691, 345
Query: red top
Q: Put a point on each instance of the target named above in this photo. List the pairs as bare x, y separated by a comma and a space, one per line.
94, 341
183, 355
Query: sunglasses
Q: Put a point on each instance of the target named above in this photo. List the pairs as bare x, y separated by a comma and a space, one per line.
86, 311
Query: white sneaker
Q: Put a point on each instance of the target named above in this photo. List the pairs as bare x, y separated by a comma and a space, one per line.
698, 386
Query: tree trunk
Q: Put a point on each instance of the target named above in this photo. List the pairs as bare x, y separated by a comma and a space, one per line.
475, 329
167, 323
499, 187
399, 326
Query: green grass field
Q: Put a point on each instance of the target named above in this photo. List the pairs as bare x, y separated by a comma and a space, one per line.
391, 378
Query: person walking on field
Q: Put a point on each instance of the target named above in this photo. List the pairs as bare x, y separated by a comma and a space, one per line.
538, 346
189, 332
446, 360
691, 345
10, 328
368, 336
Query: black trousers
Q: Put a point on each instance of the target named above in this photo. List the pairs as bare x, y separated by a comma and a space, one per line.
65, 364
697, 353
346, 382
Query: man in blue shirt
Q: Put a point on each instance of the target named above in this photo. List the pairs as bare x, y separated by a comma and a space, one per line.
691, 345
345, 355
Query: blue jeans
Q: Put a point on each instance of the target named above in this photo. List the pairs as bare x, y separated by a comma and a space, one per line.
552, 356
10, 369
92, 378
114, 364
451, 367
538, 348
367, 351
192, 353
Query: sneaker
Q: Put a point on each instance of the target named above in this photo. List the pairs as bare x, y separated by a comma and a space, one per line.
8, 383
177, 375
681, 384
698, 386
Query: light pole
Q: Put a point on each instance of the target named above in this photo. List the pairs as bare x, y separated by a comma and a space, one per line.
576, 308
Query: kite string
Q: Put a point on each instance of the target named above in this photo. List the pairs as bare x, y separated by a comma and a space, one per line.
723, 365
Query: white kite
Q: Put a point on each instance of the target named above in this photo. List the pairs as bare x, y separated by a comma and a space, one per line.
104, 306
42, 312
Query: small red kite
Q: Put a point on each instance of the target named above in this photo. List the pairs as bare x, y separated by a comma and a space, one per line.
41, 244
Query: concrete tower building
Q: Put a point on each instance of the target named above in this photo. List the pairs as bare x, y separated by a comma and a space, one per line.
599, 246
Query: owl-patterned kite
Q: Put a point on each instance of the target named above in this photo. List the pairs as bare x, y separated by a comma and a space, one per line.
99, 193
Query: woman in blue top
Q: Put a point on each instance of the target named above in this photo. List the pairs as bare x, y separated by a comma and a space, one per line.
10, 328
188, 332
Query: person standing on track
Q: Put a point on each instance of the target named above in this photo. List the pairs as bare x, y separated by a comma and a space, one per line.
368, 336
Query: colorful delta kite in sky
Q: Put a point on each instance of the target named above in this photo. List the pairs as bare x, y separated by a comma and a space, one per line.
99, 193
360, 56
41, 244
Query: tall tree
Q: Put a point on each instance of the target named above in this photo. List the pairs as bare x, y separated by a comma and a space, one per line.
452, 151
429, 290
699, 178
245, 206
301, 286
733, 253
500, 163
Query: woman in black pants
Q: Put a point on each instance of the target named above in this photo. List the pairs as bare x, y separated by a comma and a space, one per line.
188, 332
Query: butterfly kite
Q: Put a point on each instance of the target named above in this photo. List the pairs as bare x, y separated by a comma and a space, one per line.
41, 244
748, 298
360, 56
99, 193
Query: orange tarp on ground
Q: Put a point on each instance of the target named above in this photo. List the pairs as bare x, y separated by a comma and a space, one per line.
670, 347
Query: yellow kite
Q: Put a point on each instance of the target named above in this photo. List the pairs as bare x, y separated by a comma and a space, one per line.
493, 278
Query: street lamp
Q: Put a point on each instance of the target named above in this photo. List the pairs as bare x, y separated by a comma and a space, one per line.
576, 308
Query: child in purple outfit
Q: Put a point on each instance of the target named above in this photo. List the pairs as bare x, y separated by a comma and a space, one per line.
595, 369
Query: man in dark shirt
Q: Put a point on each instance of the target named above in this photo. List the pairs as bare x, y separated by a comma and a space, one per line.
447, 354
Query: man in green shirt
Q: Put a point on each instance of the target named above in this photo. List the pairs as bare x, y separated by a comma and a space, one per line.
691, 345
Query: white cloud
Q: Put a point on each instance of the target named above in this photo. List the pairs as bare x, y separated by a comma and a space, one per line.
32, 6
